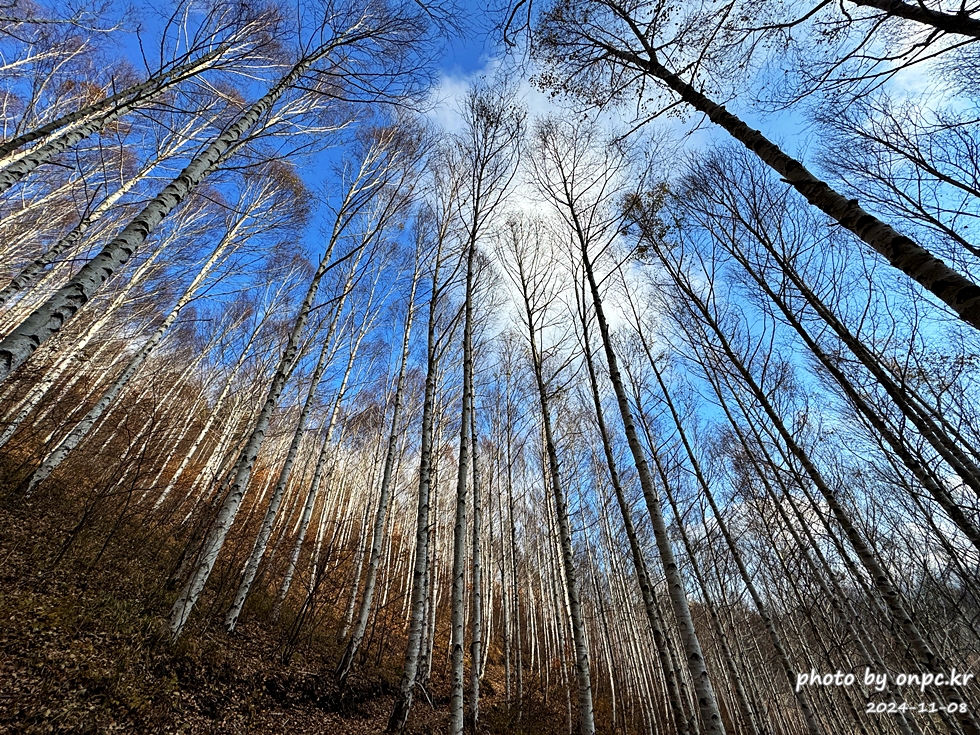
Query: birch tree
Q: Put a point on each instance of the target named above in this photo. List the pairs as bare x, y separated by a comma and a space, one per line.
487, 151
881, 580
342, 31
439, 223
385, 489
600, 50
582, 185
378, 165
535, 277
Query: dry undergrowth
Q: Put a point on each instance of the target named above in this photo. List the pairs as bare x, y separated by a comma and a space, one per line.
81, 650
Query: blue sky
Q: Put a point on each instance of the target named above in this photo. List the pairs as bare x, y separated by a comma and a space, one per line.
468, 52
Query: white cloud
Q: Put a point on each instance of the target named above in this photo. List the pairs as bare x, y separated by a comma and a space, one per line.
446, 103
447, 97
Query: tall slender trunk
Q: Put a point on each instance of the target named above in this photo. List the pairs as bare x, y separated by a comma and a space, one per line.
476, 596
243, 467
505, 598
458, 614
364, 184
518, 638
532, 318
821, 572
327, 351
140, 94
326, 451
213, 416
433, 587
420, 584
777, 643
672, 679
355, 586
879, 576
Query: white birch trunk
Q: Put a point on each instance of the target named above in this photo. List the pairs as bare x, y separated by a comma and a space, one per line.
882, 580
533, 296
110, 107
420, 583
459, 529
33, 399
371, 175
707, 702
243, 468
27, 162
362, 550
27, 274
476, 598
213, 415
325, 452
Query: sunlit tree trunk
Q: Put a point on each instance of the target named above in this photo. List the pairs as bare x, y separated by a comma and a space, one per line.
880, 578
673, 679
327, 351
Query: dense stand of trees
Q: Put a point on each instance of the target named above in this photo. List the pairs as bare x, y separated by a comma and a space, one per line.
636, 437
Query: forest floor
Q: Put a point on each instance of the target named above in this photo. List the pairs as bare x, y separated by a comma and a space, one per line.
81, 651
